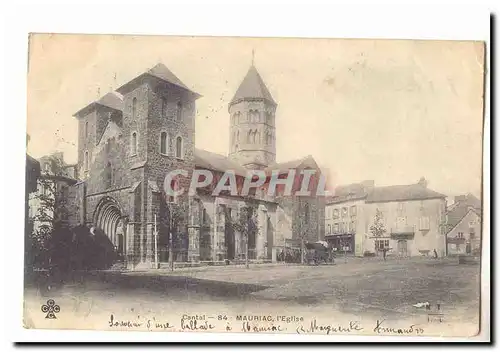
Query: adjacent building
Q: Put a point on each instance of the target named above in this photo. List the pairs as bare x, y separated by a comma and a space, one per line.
49, 201
463, 219
411, 218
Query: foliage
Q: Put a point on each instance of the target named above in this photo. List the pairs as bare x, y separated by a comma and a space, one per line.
378, 228
300, 226
51, 214
246, 224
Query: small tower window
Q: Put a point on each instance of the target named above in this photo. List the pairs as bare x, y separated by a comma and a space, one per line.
178, 147
179, 111
163, 143
133, 144
134, 108
86, 129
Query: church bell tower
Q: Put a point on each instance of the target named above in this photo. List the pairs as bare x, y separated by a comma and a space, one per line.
252, 127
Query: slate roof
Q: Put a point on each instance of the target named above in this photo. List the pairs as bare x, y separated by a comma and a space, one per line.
458, 210
161, 72
305, 162
217, 162
252, 86
111, 100
400, 193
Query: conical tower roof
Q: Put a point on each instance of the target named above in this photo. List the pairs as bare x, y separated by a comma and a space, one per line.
252, 87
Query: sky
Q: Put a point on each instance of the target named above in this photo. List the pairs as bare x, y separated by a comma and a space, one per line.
391, 111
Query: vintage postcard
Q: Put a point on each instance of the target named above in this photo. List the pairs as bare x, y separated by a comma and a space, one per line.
243, 185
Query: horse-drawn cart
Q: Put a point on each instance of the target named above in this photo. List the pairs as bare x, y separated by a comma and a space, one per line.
318, 253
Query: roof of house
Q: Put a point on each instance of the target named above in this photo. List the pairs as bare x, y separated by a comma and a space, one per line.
457, 215
302, 163
457, 211
401, 192
217, 162
161, 72
252, 86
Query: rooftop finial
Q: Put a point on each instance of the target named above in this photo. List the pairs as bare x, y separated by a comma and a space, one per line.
253, 56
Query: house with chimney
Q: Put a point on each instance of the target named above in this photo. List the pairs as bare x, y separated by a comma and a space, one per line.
410, 217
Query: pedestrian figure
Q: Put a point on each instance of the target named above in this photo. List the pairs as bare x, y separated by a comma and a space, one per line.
435, 254
384, 252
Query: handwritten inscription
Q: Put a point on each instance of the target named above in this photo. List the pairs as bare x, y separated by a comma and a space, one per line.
247, 327
410, 330
195, 325
314, 326
260, 324
123, 323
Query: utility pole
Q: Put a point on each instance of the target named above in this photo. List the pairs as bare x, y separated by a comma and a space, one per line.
215, 239
170, 239
156, 245
247, 249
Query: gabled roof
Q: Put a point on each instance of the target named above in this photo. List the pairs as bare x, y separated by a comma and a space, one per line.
252, 87
458, 217
303, 163
207, 160
401, 192
111, 100
459, 211
161, 72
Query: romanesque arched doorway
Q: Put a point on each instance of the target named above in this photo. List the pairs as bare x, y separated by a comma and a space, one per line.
109, 219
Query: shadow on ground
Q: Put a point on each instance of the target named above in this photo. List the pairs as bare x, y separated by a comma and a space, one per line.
126, 284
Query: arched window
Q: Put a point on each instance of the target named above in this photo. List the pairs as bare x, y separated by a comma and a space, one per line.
108, 175
86, 160
329, 229
134, 108
258, 137
163, 107
133, 144
163, 143
249, 136
238, 136
86, 129
179, 111
178, 147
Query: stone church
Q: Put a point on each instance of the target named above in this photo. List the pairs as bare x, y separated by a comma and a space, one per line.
129, 139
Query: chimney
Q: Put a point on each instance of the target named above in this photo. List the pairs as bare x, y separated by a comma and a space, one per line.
422, 182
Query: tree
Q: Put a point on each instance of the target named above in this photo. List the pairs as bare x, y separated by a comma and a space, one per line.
246, 224
300, 226
378, 228
51, 213
174, 219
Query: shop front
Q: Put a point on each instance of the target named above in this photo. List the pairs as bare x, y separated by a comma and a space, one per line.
341, 243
